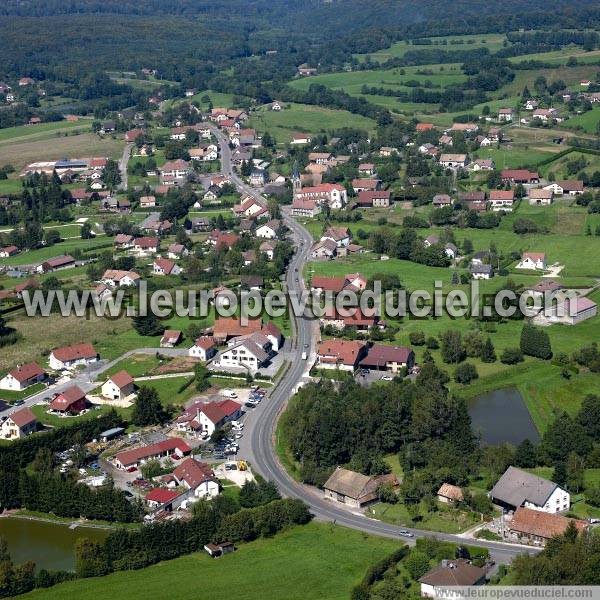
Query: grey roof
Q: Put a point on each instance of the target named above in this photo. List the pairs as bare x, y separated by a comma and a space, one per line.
517, 486
481, 269
347, 483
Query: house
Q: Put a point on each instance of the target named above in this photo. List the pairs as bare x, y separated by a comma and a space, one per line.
206, 417
451, 573
373, 198
269, 230
119, 386
355, 489
277, 105
544, 114
483, 164
204, 348
518, 488
8, 251
451, 250
513, 176
532, 260
502, 200
170, 338
175, 251
324, 249
164, 266
464, 127
108, 127
55, 264
366, 168
25, 81
305, 208
250, 207
174, 447
453, 161
344, 355
339, 235
273, 334
450, 494
70, 357
475, 200
365, 185
540, 196
223, 239
144, 246
571, 187
333, 194
226, 328
505, 114
543, 287
197, 476
250, 352
268, 248
18, 424
390, 359
147, 201
441, 200
537, 527
386, 151
305, 71
22, 376
258, 177
483, 141
573, 311
161, 497
175, 171
117, 278
301, 138
481, 271
495, 134
420, 127
320, 158
70, 401
133, 134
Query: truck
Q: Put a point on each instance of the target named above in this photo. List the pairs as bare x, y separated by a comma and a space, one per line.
304, 355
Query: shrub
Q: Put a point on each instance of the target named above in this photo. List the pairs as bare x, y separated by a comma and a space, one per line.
465, 373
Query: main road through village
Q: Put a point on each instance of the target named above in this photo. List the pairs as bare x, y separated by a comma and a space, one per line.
258, 443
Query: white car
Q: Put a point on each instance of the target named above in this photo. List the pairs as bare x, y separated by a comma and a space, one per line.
387, 378
229, 393
237, 424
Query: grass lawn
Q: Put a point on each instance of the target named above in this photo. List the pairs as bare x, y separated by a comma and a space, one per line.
11, 396
444, 520
304, 118
168, 390
29, 131
517, 156
33, 257
137, 365
39, 410
335, 557
588, 121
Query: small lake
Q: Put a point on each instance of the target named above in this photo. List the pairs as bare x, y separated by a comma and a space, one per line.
502, 416
48, 545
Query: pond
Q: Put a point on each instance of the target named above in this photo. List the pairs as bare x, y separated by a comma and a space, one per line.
48, 545
502, 416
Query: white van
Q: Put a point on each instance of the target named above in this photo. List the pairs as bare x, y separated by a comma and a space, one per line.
304, 356
229, 393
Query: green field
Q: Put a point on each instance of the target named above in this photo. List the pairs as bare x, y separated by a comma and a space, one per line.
336, 559
509, 158
560, 57
32, 131
304, 118
587, 122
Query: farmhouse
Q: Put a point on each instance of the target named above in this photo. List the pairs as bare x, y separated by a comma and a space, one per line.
226, 328
464, 127
269, 230
450, 494
116, 278
540, 196
519, 488
365, 185
22, 376
373, 198
54, 264
197, 476
388, 358
571, 187
170, 447
119, 386
305, 208
505, 114
204, 348
355, 489
536, 527
19, 424
453, 161
301, 138
333, 194
481, 271
144, 246
70, 401
532, 260
69, 357
8, 251
164, 266
502, 200
513, 176
457, 572
344, 355
339, 235
250, 352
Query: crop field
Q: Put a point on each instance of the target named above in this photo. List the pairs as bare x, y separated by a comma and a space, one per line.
304, 118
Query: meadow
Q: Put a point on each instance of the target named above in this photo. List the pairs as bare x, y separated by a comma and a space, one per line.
335, 557
587, 122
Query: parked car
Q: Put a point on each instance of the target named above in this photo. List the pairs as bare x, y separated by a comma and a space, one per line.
405, 533
229, 394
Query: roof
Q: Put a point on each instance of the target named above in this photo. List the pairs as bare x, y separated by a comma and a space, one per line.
481, 269
76, 352
193, 472
334, 284
232, 327
23, 417
476, 196
346, 352
502, 195
128, 457
517, 486
367, 196
217, 411
121, 379
175, 165
171, 335
271, 329
65, 399
534, 255
161, 495
380, 355
571, 185
540, 193
356, 485
147, 242
27, 371
580, 304
205, 342
519, 174
453, 157
59, 261
542, 524
447, 490
164, 264
459, 572
546, 285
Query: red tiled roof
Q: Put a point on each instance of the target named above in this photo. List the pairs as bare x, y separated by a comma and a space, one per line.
502, 195
217, 411
27, 371
165, 265
379, 355
71, 353
343, 351
171, 335
193, 472
205, 342
542, 524
161, 495
122, 379
232, 327
334, 284
59, 261
23, 417
128, 457
146, 242
67, 398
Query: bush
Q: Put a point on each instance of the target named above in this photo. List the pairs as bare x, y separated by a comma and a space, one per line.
511, 356
465, 373
417, 338
535, 342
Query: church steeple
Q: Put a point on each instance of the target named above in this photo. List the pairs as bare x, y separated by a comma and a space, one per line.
296, 183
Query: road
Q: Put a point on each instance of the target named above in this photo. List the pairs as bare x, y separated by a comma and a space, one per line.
123, 166
258, 444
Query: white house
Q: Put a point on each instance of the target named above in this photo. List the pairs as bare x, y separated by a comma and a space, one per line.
119, 386
268, 230
198, 477
505, 114
250, 352
204, 348
453, 161
532, 260
164, 266
117, 278
205, 417
22, 376
70, 357
19, 424
572, 187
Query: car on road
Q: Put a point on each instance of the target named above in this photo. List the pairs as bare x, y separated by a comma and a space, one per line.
405, 533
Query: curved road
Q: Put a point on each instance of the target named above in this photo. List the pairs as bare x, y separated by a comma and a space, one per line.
258, 443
